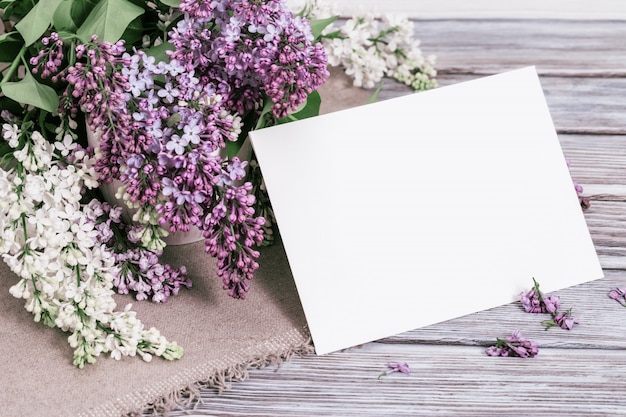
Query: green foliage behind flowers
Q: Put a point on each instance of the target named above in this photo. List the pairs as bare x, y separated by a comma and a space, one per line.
27, 23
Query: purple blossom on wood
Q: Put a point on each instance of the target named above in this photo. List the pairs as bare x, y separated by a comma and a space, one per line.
534, 301
565, 320
619, 295
514, 345
401, 367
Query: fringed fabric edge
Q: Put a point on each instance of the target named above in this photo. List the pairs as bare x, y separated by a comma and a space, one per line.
220, 380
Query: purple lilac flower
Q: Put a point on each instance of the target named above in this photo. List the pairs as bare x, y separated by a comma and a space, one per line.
142, 274
231, 232
514, 345
160, 139
619, 295
140, 271
565, 320
262, 49
235, 171
49, 60
534, 301
401, 367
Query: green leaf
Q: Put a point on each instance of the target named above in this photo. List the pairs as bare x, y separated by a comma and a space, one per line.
13, 9
66, 35
250, 121
62, 18
37, 21
133, 32
318, 25
108, 20
310, 108
81, 9
267, 108
232, 148
11, 105
10, 45
29, 91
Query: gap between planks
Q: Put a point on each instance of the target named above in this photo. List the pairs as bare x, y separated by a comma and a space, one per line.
561, 73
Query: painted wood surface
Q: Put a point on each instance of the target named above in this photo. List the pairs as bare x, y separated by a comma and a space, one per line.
489, 9
577, 373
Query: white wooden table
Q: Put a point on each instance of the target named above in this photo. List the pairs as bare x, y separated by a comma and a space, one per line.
582, 64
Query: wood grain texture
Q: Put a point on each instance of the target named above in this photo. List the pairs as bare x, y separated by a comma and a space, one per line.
578, 105
582, 66
445, 380
567, 47
516, 9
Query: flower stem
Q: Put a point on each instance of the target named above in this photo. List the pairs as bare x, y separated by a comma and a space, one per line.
77, 276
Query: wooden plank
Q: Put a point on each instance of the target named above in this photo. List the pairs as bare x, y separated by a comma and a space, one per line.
589, 301
488, 46
486, 9
577, 104
598, 163
445, 380
607, 221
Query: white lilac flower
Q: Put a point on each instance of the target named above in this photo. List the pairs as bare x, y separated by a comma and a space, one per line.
66, 146
10, 133
370, 46
6, 189
34, 188
66, 275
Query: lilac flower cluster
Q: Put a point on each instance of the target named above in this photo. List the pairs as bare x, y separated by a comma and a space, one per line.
163, 135
94, 87
514, 345
171, 167
163, 126
619, 295
248, 50
139, 268
48, 61
231, 221
534, 301
49, 239
371, 45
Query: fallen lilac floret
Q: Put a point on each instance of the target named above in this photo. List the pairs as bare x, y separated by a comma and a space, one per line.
565, 320
619, 295
534, 301
401, 367
514, 345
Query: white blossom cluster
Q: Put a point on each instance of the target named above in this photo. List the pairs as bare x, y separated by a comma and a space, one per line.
49, 241
370, 46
